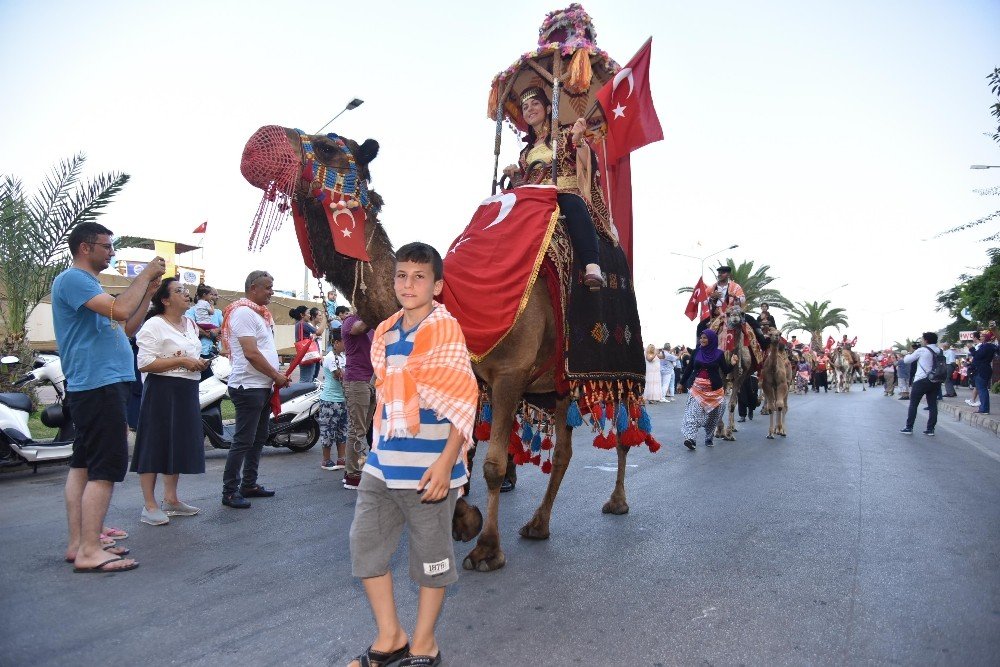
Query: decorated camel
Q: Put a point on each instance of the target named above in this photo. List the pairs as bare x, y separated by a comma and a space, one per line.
843, 369
774, 382
281, 160
732, 330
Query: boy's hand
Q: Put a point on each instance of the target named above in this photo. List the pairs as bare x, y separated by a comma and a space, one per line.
435, 482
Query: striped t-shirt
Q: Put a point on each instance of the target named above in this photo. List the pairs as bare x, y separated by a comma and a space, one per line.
401, 462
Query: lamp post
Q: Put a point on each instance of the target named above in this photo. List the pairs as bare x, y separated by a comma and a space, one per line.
353, 104
984, 166
702, 259
833, 290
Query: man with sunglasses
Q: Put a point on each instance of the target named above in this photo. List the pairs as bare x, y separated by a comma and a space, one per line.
92, 331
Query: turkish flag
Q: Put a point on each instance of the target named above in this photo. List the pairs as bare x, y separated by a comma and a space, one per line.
627, 104
697, 296
616, 181
200, 229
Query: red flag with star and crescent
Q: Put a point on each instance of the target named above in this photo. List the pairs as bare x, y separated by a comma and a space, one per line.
627, 104
697, 296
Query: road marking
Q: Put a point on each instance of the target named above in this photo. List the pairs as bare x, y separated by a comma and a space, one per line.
610, 468
704, 614
985, 450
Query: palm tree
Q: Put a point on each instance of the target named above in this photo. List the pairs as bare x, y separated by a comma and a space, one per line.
755, 285
814, 317
34, 233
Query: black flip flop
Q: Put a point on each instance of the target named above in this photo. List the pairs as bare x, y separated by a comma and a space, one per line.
99, 569
373, 658
421, 661
122, 551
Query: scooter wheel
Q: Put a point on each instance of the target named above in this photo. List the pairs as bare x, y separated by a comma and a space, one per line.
300, 439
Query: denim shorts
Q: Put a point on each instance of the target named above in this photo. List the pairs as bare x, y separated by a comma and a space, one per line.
379, 517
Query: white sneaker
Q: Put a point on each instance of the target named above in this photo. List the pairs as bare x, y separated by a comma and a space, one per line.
180, 509
968, 401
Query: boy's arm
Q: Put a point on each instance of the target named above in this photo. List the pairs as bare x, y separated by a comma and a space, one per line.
436, 481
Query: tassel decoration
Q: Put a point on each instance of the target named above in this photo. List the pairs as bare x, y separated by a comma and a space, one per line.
652, 443
487, 413
547, 467
482, 433
536, 443
621, 419
547, 443
525, 433
645, 423
573, 418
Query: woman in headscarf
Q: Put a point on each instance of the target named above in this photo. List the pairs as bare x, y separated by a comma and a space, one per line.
705, 379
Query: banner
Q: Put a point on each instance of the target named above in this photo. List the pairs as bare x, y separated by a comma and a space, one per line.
965, 335
186, 275
167, 250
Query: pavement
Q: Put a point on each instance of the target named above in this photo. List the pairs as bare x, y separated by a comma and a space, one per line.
846, 543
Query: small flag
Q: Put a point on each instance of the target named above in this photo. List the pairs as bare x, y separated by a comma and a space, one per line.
200, 229
697, 296
167, 250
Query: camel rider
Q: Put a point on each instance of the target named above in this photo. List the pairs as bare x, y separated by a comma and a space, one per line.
580, 199
726, 292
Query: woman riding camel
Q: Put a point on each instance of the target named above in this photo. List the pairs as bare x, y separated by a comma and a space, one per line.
577, 181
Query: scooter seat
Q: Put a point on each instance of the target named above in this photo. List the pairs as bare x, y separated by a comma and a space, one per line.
16, 401
295, 390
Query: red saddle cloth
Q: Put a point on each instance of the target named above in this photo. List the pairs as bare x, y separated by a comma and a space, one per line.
490, 268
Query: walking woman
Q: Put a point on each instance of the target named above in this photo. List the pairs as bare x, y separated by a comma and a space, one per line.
653, 393
703, 377
170, 440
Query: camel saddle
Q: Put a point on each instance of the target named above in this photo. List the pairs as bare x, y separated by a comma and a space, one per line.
514, 238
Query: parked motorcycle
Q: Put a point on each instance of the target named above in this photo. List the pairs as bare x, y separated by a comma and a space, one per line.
17, 447
295, 427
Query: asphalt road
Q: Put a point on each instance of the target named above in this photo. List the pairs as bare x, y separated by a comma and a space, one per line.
845, 543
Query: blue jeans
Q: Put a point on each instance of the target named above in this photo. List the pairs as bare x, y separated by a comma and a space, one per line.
983, 386
308, 373
253, 407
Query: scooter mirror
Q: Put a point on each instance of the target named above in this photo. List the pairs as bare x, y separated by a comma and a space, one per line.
9, 360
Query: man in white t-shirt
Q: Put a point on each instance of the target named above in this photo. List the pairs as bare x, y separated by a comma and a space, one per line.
248, 331
922, 385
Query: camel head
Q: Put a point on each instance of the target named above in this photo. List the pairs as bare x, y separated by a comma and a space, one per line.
734, 317
323, 181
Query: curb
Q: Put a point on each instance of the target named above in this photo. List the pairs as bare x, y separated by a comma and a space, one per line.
963, 413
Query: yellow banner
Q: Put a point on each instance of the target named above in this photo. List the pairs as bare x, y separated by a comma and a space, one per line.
167, 250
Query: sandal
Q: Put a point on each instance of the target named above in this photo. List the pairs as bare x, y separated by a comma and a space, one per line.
373, 658
421, 660
594, 281
114, 533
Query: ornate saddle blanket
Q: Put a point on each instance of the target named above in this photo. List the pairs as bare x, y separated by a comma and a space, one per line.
513, 239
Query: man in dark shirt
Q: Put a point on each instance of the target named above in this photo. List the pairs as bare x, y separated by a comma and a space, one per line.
359, 393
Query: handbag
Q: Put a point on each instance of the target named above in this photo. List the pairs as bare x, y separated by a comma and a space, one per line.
313, 356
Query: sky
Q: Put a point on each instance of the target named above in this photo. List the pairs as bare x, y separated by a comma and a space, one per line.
830, 142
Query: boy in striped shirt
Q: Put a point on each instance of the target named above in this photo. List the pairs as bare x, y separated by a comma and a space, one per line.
427, 397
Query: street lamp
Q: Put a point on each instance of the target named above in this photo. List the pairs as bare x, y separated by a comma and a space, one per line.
702, 259
833, 290
353, 104
984, 166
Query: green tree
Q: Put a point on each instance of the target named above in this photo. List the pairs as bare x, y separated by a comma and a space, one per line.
814, 317
34, 232
980, 294
904, 348
755, 283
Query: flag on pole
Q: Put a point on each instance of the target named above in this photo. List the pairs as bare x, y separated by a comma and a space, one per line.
698, 295
200, 229
627, 104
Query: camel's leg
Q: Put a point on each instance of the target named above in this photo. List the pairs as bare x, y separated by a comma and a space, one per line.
770, 425
538, 527
487, 555
617, 504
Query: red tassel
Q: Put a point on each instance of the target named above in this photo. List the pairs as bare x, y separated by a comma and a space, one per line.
633, 411
521, 457
482, 433
537, 459
652, 443
595, 409
514, 443
547, 467
546, 442
633, 436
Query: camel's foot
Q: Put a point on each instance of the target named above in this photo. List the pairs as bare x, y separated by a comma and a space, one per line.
782, 434
728, 437
765, 411
615, 507
536, 529
735, 430
770, 436
466, 522
484, 559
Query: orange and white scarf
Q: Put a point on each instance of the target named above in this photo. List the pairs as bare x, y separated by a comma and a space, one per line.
704, 394
226, 323
437, 376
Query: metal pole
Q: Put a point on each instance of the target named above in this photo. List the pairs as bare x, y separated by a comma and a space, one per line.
496, 145
555, 129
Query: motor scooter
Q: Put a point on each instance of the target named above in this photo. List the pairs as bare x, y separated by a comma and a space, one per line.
295, 427
17, 447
